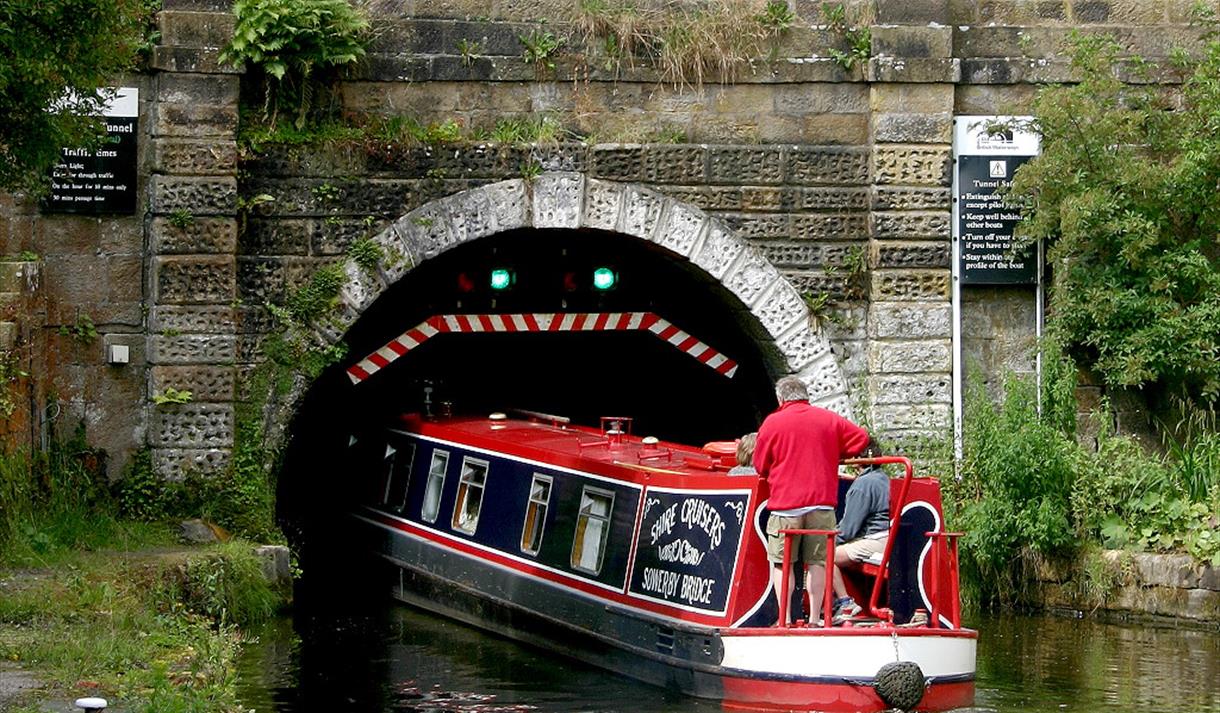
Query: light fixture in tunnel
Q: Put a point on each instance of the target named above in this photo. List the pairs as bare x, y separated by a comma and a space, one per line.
604, 278
501, 278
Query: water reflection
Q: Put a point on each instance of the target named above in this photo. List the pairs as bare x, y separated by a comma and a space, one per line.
400, 660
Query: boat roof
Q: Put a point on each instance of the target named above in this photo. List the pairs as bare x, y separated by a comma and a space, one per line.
553, 440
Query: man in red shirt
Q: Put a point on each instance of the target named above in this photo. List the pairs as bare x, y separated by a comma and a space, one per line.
798, 451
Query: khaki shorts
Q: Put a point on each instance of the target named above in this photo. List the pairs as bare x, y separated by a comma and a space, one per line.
862, 549
805, 548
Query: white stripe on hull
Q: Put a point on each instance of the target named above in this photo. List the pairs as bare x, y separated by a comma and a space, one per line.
847, 656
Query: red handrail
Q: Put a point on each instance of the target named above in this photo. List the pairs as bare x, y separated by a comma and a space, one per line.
827, 591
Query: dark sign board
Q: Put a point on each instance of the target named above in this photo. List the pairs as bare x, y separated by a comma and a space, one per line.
687, 548
101, 180
986, 223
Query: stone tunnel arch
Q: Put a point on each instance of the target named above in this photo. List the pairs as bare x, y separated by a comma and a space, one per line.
768, 314
561, 200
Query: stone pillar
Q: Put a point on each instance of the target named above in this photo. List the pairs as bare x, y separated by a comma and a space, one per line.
912, 74
192, 338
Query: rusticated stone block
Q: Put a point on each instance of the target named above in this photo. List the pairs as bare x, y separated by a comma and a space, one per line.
918, 165
178, 463
194, 120
802, 346
558, 200
196, 196
192, 349
912, 128
217, 157
190, 59
206, 383
195, 29
822, 165
827, 226
839, 199
781, 308
718, 251
823, 378
333, 236
681, 228
913, 255
918, 285
172, 320
336, 159
904, 320
912, 12
818, 283
910, 42
899, 225
196, 235
750, 277
910, 388
209, 89
707, 197
619, 162
919, 417
910, 356
194, 280
764, 198
824, 98
675, 164
192, 426
810, 254
903, 198
271, 236
745, 165
759, 226
932, 70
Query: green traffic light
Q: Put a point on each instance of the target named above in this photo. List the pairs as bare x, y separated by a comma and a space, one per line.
604, 278
501, 279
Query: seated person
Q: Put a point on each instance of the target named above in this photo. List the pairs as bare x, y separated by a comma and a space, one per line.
864, 529
745, 455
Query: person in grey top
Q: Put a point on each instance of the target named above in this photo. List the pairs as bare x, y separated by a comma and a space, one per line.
863, 530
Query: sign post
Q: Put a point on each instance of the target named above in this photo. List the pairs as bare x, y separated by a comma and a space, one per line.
987, 151
103, 180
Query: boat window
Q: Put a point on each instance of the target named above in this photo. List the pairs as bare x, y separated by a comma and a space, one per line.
535, 514
592, 528
469, 495
400, 477
387, 471
436, 480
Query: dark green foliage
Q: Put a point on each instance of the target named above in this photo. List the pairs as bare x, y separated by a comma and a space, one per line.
1014, 496
294, 43
318, 296
1124, 194
366, 254
58, 52
226, 585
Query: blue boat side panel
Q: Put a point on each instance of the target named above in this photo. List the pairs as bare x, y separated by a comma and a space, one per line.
687, 548
905, 588
505, 502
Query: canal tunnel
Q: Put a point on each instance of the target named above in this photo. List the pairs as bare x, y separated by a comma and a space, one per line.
586, 371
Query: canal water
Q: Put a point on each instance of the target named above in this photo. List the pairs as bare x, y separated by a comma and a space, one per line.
395, 659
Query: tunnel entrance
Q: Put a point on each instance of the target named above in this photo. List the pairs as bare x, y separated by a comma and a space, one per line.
579, 374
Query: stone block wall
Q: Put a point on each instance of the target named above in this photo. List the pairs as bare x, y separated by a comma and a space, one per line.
1138, 584
816, 165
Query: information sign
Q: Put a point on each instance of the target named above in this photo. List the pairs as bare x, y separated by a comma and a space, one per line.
985, 161
102, 180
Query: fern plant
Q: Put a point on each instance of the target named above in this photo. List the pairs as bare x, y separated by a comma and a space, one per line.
292, 42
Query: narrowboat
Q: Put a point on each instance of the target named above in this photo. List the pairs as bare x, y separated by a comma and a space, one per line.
647, 558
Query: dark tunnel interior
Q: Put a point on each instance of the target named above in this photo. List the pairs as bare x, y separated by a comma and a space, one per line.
581, 375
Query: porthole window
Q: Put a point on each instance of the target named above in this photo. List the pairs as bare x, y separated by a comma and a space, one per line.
469, 495
436, 481
535, 514
592, 529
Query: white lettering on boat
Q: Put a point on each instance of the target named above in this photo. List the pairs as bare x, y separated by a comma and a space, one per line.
697, 590
664, 524
680, 551
660, 581
697, 513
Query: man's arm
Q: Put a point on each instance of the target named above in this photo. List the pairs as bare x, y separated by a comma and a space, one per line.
852, 438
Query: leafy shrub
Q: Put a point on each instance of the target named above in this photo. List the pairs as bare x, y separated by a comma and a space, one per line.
1014, 495
292, 42
226, 585
1124, 194
58, 53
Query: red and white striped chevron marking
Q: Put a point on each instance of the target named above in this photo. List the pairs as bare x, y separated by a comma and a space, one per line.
540, 322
